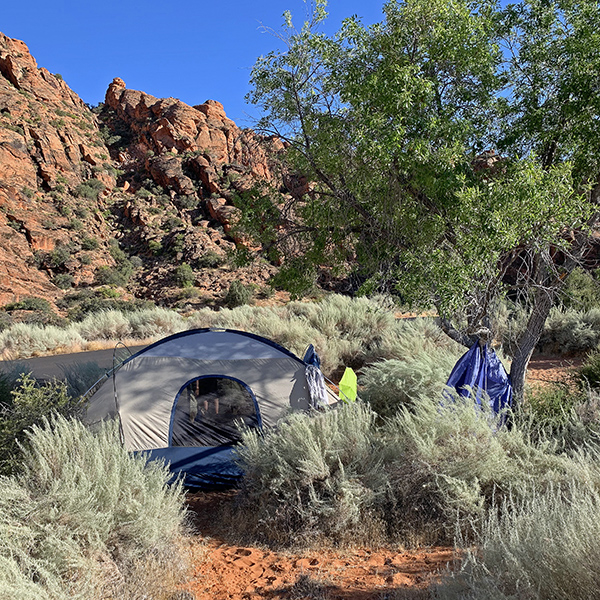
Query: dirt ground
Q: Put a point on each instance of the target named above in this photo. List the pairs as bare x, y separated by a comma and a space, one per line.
544, 370
237, 572
228, 571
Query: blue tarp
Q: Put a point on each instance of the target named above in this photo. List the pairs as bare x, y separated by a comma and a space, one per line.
479, 370
205, 468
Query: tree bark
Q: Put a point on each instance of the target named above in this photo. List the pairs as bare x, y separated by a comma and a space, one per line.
543, 301
454, 334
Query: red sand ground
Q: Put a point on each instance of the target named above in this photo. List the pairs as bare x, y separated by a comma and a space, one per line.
235, 573
224, 571
550, 369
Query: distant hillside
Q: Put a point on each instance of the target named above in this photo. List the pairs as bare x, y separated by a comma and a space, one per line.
135, 194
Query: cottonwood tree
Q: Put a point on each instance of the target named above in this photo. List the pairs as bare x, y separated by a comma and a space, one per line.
451, 150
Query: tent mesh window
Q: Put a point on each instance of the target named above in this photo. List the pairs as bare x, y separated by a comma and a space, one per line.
209, 412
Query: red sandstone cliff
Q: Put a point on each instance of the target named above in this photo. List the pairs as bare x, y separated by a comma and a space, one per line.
84, 191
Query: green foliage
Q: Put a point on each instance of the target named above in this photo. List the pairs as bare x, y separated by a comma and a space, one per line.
89, 243
389, 124
581, 291
187, 202
16, 128
30, 303
171, 222
589, 372
550, 407
106, 275
89, 189
209, 260
176, 244
238, 294
120, 274
82, 510
571, 332
64, 281
58, 257
155, 247
29, 404
184, 275
84, 302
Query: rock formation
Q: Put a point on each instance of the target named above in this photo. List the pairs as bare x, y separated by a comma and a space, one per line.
49, 145
120, 195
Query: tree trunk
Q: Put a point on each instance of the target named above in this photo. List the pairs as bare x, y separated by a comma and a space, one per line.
543, 301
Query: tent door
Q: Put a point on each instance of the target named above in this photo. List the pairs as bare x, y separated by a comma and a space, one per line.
209, 410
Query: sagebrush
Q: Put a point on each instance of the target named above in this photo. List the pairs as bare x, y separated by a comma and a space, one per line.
82, 517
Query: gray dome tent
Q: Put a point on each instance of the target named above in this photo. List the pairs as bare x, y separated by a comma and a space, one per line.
182, 398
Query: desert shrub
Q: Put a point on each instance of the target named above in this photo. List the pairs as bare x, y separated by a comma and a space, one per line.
238, 294
31, 303
75, 225
423, 475
24, 340
82, 303
588, 374
111, 276
83, 516
184, 275
27, 404
313, 478
543, 548
89, 243
567, 416
120, 274
83, 212
581, 291
188, 293
5, 320
209, 260
136, 262
142, 324
105, 325
550, 406
155, 322
266, 292
89, 189
155, 247
458, 460
571, 332
58, 257
187, 202
390, 384
64, 281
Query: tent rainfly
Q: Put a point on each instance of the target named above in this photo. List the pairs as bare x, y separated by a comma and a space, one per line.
183, 398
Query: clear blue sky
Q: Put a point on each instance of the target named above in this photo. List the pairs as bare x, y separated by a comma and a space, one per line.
191, 50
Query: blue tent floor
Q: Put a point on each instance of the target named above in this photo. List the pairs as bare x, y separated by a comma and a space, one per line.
205, 468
